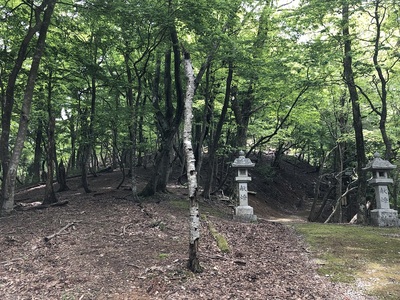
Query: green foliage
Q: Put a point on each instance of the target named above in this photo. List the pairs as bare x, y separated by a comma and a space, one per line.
276, 52
267, 172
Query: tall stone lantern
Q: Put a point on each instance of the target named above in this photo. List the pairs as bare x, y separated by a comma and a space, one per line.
382, 215
243, 212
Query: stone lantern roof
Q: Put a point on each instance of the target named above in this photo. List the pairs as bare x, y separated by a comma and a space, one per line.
379, 164
242, 162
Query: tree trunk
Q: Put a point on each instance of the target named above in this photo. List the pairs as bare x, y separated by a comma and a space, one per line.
115, 155
357, 121
158, 180
382, 92
325, 199
84, 147
242, 105
50, 195
132, 125
62, 177
84, 153
150, 188
242, 110
340, 151
8, 100
38, 153
141, 149
169, 121
312, 217
164, 122
337, 217
10, 166
193, 262
135, 119
88, 129
204, 129
72, 132
214, 143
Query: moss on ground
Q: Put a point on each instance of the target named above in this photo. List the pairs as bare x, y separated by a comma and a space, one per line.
221, 241
347, 253
180, 203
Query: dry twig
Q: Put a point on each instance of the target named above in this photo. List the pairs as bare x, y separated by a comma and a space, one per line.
49, 237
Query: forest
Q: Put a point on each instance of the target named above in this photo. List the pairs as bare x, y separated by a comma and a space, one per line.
101, 98
94, 84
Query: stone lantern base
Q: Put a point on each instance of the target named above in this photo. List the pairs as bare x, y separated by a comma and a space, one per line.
385, 217
245, 214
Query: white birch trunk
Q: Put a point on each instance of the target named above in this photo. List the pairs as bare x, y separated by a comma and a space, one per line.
194, 234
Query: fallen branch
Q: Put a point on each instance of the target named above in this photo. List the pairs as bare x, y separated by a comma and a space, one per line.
240, 262
22, 206
338, 202
125, 228
354, 219
10, 262
215, 257
49, 237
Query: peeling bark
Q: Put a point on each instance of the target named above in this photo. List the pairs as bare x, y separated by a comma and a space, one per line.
193, 263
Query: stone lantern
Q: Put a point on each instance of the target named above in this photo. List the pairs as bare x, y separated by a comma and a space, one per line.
382, 215
243, 212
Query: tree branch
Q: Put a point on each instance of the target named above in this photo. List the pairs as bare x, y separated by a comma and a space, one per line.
279, 125
49, 237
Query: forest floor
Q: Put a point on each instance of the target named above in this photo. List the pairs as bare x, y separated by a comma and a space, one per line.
103, 245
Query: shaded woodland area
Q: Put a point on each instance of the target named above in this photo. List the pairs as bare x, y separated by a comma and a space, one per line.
175, 89
103, 245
